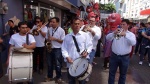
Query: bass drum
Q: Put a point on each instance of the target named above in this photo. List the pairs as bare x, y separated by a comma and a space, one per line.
20, 67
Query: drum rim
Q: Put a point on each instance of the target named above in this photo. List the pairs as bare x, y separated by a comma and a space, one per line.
83, 71
80, 78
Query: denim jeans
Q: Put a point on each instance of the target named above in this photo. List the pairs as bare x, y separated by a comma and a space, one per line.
38, 51
118, 61
54, 59
92, 55
72, 80
144, 51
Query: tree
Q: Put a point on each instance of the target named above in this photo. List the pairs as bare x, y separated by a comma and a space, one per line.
107, 7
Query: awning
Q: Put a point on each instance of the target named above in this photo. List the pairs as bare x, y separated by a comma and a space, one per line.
145, 12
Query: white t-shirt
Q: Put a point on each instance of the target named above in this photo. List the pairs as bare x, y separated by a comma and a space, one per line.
59, 34
18, 40
40, 40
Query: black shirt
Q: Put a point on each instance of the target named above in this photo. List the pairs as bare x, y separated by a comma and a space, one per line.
13, 30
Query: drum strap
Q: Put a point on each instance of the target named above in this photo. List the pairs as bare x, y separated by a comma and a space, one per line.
27, 39
76, 44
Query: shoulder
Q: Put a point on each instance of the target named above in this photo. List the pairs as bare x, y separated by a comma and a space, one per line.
60, 29
131, 33
15, 35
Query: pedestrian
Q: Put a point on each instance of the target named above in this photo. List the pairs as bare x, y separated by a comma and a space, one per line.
122, 42
55, 35
69, 50
145, 44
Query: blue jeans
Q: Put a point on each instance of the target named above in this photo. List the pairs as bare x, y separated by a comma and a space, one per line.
92, 55
72, 80
54, 59
118, 61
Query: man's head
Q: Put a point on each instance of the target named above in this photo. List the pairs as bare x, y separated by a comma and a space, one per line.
125, 24
22, 26
75, 24
92, 21
148, 25
55, 22
10, 23
39, 21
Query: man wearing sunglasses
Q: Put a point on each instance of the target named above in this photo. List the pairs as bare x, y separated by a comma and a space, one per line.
40, 43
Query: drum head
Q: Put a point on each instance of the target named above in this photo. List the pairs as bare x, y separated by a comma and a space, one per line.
78, 67
22, 50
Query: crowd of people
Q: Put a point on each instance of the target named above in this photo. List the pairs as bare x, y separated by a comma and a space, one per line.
119, 45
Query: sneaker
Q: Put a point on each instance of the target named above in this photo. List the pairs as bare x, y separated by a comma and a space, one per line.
149, 64
59, 81
140, 63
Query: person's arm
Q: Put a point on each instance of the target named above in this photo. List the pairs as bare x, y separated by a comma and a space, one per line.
31, 46
32, 43
9, 51
131, 38
1, 40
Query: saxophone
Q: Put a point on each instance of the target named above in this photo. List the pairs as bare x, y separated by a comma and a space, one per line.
48, 44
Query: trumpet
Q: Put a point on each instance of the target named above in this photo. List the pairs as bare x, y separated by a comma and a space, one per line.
35, 32
118, 36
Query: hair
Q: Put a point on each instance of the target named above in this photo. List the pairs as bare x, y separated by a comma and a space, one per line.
21, 23
74, 19
148, 23
126, 20
142, 24
10, 21
56, 18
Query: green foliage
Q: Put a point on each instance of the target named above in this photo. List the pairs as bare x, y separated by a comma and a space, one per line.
107, 7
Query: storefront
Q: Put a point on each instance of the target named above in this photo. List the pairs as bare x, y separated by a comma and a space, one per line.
46, 9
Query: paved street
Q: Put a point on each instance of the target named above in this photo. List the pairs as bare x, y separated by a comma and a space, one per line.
136, 74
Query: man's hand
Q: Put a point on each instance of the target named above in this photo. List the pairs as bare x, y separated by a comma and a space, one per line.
123, 33
52, 38
84, 54
69, 60
25, 45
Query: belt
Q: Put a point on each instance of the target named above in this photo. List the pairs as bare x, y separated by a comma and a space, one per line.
56, 48
121, 55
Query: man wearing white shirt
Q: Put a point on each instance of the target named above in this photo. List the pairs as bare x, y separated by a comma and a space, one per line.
56, 36
40, 43
95, 35
19, 40
69, 50
121, 49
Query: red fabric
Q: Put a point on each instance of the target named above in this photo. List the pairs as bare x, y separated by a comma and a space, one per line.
145, 12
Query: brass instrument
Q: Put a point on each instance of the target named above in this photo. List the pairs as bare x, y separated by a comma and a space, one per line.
118, 36
35, 32
85, 28
48, 44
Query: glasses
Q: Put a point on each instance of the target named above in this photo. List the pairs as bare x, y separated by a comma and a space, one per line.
91, 21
